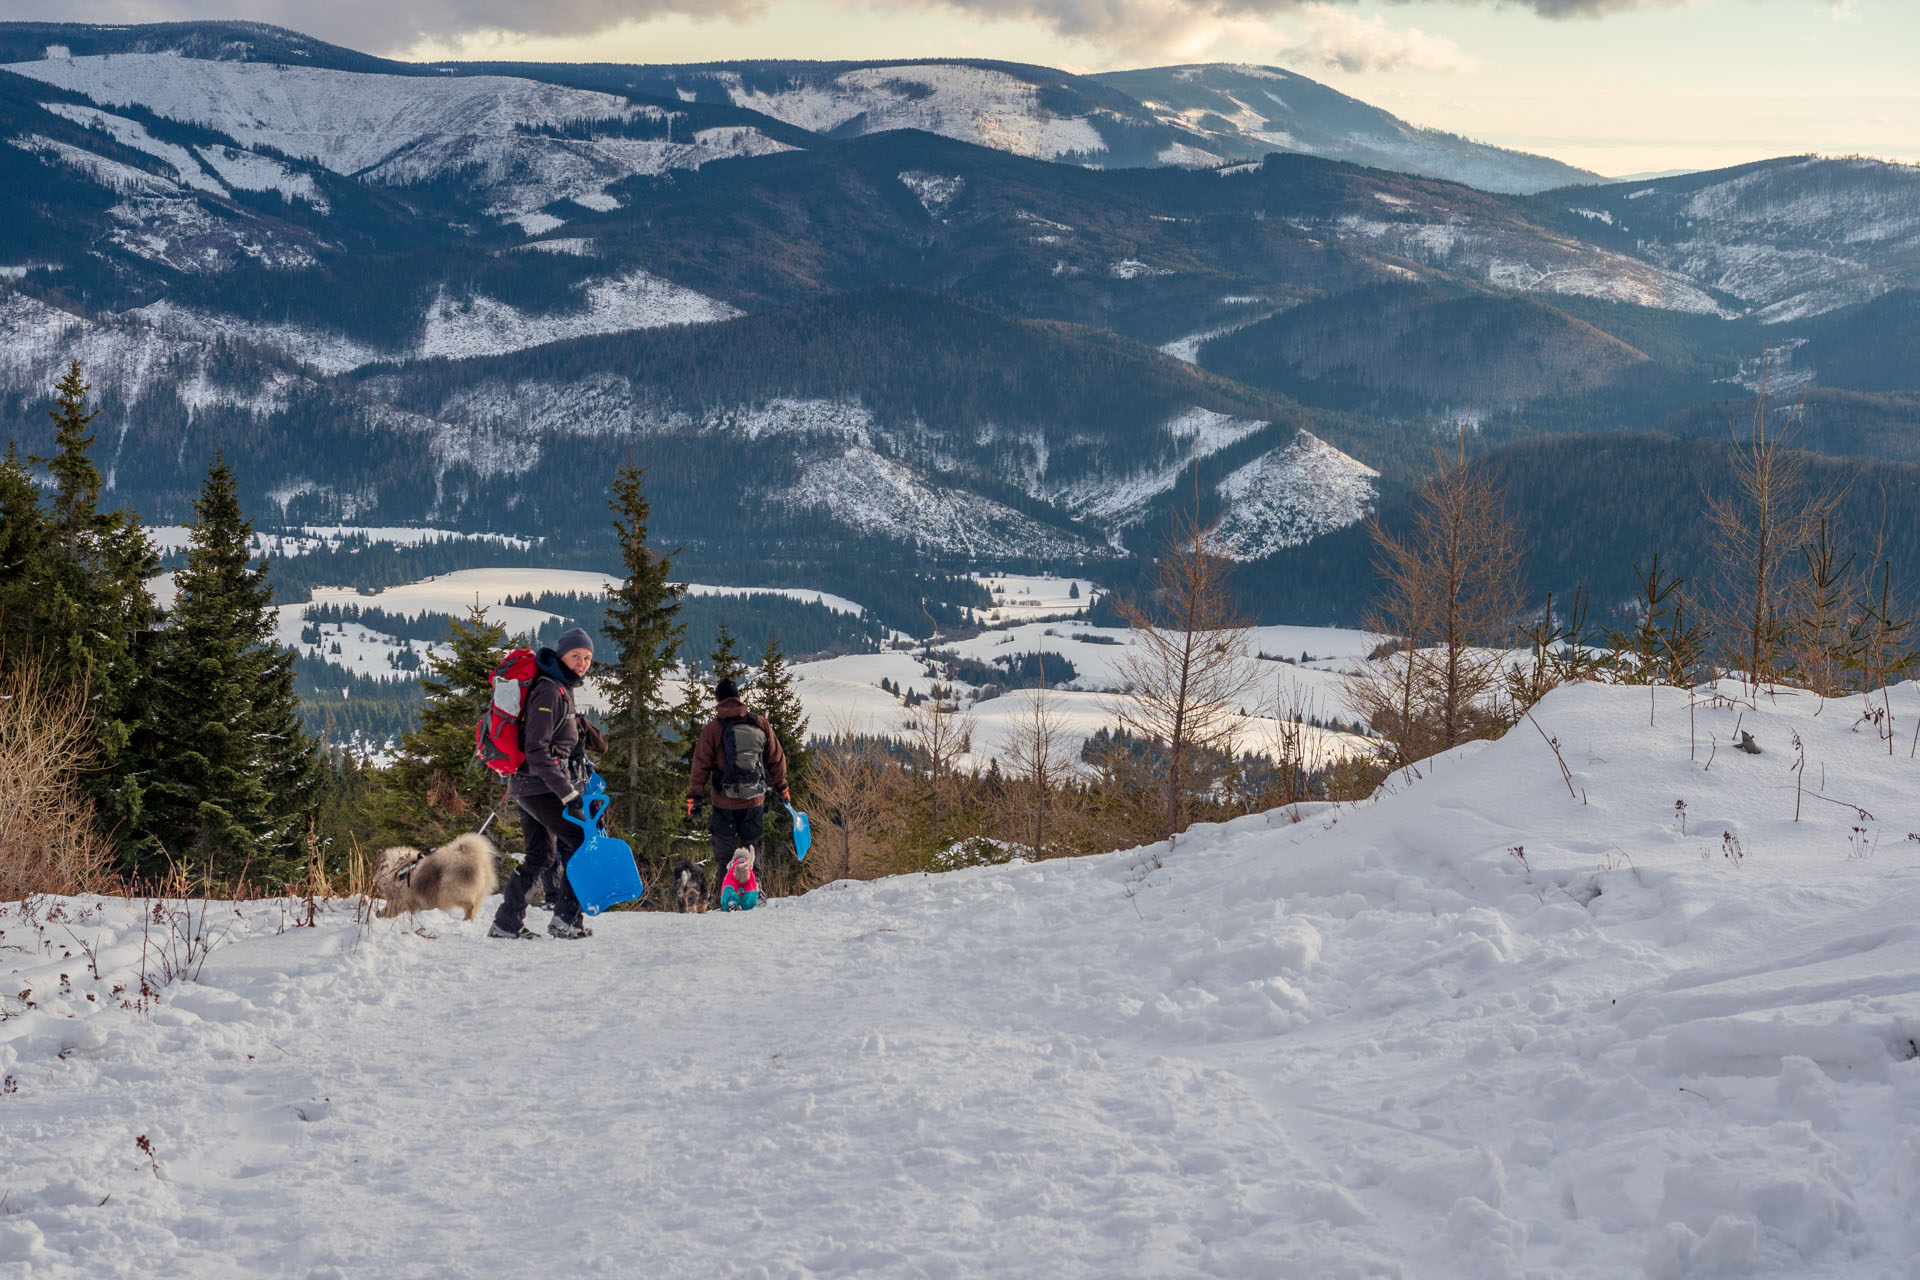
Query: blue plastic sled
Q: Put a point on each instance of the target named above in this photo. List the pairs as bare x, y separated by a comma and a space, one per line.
802, 833
601, 871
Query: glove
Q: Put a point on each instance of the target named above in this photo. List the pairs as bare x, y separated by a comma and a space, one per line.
786, 797
693, 806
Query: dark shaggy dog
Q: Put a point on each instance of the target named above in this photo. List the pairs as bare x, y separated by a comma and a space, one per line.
689, 887
457, 874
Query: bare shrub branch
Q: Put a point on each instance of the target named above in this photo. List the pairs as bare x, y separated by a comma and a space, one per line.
50, 837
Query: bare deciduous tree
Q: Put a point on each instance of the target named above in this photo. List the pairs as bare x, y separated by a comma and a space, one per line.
1041, 757
1184, 674
852, 785
939, 735
1821, 620
1756, 527
1452, 596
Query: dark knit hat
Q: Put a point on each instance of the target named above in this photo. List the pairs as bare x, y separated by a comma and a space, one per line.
573, 638
726, 689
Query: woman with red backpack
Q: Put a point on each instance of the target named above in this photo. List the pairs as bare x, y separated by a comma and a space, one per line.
544, 786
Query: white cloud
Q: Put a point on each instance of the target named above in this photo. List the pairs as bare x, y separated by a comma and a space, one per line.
1332, 37
1160, 26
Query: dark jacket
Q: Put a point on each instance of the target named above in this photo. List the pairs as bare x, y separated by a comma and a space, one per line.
708, 757
549, 734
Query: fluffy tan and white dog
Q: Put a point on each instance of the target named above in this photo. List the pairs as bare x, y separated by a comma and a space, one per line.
459, 873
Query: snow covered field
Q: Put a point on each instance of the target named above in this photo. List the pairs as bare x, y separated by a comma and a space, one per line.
844, 693
1019, 597
1476, 1028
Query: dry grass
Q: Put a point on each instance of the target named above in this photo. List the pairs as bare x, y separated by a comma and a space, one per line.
50, 836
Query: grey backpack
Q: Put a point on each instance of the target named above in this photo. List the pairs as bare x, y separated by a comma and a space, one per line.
743, 748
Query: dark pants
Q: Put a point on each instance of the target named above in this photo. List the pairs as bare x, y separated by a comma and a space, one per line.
733, 829
551, 840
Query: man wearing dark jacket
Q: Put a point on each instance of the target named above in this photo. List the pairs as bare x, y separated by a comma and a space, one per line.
742, 757
544, 787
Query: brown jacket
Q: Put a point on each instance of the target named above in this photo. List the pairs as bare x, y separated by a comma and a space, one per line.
708, 760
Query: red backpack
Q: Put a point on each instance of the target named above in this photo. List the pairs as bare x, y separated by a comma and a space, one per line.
496, 739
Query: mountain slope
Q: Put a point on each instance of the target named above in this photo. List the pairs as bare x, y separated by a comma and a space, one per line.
1589, 508
1789, 238
1191, 115
1420, 345
1243, 112
520, 144
1199, 116
878, 420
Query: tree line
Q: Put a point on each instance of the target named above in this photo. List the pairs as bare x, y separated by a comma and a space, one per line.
189, 748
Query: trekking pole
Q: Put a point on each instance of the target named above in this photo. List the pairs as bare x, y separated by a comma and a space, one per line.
493, 815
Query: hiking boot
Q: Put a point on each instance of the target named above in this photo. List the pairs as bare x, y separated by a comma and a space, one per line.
495, 931
558, 928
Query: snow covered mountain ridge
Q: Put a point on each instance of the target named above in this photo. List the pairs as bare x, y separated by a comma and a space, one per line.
398, 292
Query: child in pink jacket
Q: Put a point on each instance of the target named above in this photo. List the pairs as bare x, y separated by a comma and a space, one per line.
740, 891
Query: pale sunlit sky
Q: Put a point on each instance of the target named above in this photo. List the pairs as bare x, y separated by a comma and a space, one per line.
1617, 86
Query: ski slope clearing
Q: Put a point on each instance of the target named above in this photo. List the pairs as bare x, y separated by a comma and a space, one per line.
1373, 1042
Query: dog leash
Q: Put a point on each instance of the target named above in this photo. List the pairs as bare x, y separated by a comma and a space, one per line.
493, 815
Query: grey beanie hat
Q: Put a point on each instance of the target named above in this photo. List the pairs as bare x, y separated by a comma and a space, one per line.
573, 638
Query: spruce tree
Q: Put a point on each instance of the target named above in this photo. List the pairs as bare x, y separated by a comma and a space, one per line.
690, 716
644, 628
229, 773
89, 604
435, 789
776, 699
725, 660
24, 562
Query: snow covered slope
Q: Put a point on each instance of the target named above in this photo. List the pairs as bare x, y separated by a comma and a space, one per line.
1185, 116
1790, 238
1239, 112
1474, 1029
1291, 496
459, 328
502, 133
869, 493
975, 104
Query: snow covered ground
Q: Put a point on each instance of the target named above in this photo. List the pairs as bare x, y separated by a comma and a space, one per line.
1476, 1028
1026, 597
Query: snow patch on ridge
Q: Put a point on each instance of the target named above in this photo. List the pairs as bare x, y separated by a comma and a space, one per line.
457, 329
875, 495
481, 325
1524, 265
934, 191
501, 132
1291, 496
974, 104
134, 135
1120, 499
250, 171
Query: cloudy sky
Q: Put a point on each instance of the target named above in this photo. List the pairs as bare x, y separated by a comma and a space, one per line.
1619, 86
